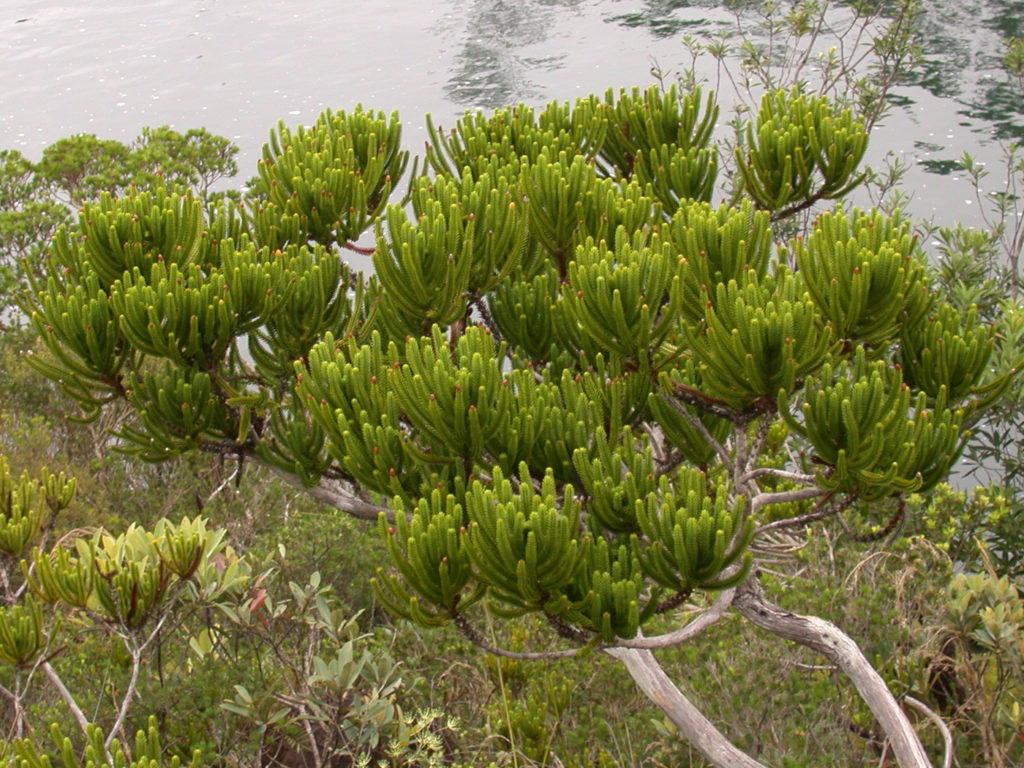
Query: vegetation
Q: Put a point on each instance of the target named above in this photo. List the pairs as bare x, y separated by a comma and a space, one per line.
593, 414
36, 199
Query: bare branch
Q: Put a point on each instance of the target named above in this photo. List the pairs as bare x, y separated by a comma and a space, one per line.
782, 497
470, 633
129, 694
947, 736
692, 724
339, 495
76, 711
829, 640
691, 630
890, 530
821, 510
697, 424
760, 439
782, 474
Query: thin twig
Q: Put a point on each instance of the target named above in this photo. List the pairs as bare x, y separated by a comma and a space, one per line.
821, 510
474, 636
783, 497
947, 736
129, 694
693, 628
363, 249
697, 424
782, 474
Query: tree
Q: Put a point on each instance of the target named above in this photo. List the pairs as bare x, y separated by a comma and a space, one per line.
27, 217
36, 199
573, 387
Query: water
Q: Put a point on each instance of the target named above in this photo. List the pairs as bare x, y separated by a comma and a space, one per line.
111, 68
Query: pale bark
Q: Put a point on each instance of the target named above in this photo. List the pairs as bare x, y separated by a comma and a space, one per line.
129, 695
336, 494
947, 735
692, 725
688, 632
76, 711
829, 640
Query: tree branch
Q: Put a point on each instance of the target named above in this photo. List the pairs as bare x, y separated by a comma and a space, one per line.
706, 619
691, 630
782, 474
947, 736
697, 424
692, 724
782, 497
76, 711
129, 694
828, 639
334, 493
363, 249
470, 633
821, 510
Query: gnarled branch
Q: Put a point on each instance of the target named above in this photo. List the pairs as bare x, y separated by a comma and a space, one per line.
688, 632
336, 494
692, 724
829, 640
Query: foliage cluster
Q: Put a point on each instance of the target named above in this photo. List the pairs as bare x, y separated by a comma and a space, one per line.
37, 198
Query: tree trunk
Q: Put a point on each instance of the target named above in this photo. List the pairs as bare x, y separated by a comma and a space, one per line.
694, 727
829, 640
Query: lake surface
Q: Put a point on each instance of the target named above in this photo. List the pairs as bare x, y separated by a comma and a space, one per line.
112, 67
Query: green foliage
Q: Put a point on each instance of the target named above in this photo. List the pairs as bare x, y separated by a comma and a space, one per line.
981, 652
889, 598
735, 332
758, 339
29, 217
147, 752
575, 388
134, 584
884, 286
80, 167
26, 504
196, 159
117, 583
981, 268
324, 691
531, 721
37, 199
479, 143
1013, 58
800, 150
859, 424
128, 579
978, 529
650, 121
855, 58
334, 178
22, 633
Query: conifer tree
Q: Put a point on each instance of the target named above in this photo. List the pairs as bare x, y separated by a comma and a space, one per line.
576, 385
